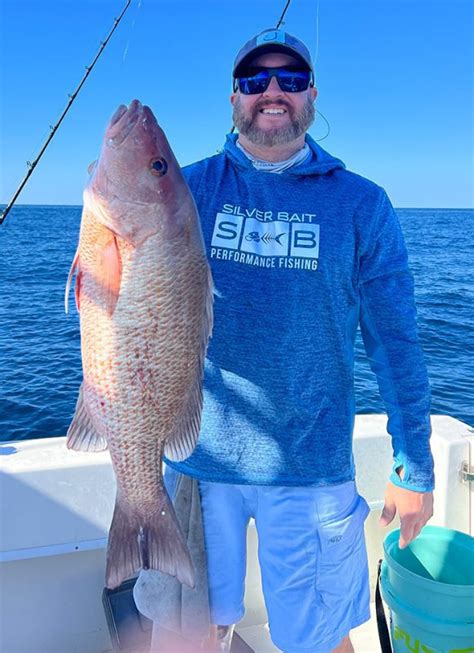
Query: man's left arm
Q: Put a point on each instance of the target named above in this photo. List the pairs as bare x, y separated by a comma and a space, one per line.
389, 331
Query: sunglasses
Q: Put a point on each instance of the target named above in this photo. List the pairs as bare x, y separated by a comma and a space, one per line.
291, 79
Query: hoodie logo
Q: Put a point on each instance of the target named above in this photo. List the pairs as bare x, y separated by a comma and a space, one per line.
267, 243
266, 238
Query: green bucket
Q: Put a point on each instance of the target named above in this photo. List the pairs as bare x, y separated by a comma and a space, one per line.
429, 588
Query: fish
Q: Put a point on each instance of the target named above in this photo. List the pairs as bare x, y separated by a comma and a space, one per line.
144, 293
267, 238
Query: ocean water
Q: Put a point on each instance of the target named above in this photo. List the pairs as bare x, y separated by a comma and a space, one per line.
40, 363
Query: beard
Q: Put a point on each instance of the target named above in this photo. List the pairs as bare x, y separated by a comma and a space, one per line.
246, 124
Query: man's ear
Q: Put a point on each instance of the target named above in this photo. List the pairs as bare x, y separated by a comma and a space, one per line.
313, 92
233, 97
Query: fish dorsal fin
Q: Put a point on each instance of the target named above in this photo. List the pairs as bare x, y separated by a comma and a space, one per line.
74, 265
81, 435
209, 322
111, 277
182, 441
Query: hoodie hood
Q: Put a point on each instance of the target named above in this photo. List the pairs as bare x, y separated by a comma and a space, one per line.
319, 163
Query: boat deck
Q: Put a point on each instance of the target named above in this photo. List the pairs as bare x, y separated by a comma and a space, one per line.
56, 511
256, 638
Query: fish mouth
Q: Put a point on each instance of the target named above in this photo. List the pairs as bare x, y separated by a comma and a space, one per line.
117, 115
123, 121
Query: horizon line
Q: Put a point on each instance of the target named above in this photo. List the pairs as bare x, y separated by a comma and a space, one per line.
427, 208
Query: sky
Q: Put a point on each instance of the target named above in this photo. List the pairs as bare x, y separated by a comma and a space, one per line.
395, 81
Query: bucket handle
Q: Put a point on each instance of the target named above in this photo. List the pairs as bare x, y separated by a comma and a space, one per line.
382, 627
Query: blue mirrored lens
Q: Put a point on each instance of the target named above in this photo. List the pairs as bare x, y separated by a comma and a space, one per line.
255, 84
290, 81
293, 82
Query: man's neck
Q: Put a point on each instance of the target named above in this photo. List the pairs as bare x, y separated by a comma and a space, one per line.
275, 153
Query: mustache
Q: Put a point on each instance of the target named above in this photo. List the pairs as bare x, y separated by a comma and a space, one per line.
272, 103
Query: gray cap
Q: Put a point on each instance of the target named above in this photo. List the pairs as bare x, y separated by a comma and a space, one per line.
271, 40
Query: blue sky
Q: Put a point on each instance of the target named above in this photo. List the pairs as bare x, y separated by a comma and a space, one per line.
395, 82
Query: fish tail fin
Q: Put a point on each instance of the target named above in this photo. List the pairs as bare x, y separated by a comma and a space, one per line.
164, 546
155, 541
123, 548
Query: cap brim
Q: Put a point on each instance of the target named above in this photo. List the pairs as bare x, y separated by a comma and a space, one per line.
265, 49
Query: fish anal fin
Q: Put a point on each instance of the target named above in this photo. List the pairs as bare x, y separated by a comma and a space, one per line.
81, 434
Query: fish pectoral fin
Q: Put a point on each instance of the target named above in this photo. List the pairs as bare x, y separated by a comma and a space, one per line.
81, 434
182, 440
111, 273
154, 541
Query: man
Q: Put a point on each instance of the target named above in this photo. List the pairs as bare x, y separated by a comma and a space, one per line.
301, 251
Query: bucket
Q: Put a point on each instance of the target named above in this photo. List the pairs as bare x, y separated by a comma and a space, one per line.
429, 588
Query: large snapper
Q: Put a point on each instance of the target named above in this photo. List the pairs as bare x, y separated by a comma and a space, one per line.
144, 294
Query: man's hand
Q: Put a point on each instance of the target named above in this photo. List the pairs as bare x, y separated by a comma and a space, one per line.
414, 510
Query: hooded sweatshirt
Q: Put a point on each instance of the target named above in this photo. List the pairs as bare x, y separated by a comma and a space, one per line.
299, 260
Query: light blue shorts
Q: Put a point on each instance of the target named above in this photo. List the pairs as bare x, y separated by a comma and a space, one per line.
312, 557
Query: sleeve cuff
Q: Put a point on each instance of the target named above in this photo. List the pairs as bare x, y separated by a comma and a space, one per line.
414, 487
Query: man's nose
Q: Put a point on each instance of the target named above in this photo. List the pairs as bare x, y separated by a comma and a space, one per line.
273, 88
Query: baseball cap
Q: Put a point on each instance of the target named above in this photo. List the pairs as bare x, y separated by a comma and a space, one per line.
271, 40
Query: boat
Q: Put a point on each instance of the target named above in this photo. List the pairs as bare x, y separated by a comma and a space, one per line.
57, 506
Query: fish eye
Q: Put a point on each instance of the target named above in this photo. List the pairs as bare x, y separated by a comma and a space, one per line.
158, 167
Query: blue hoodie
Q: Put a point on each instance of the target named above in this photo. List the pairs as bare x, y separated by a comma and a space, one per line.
299, 259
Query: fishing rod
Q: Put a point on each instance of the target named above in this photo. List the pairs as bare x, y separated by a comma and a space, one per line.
283, 14
32, 164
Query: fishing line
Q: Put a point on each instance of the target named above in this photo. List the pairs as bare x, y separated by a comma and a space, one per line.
318, 140
316, 53
315, 58
72, 96
125, 52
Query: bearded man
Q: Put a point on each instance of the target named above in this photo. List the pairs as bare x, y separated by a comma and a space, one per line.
302, 251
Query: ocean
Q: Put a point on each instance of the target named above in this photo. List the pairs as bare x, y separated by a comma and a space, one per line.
40, 363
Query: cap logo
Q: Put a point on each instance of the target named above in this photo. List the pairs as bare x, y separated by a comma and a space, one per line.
276, 36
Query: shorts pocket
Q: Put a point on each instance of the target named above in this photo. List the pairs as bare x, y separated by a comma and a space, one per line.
342, 559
